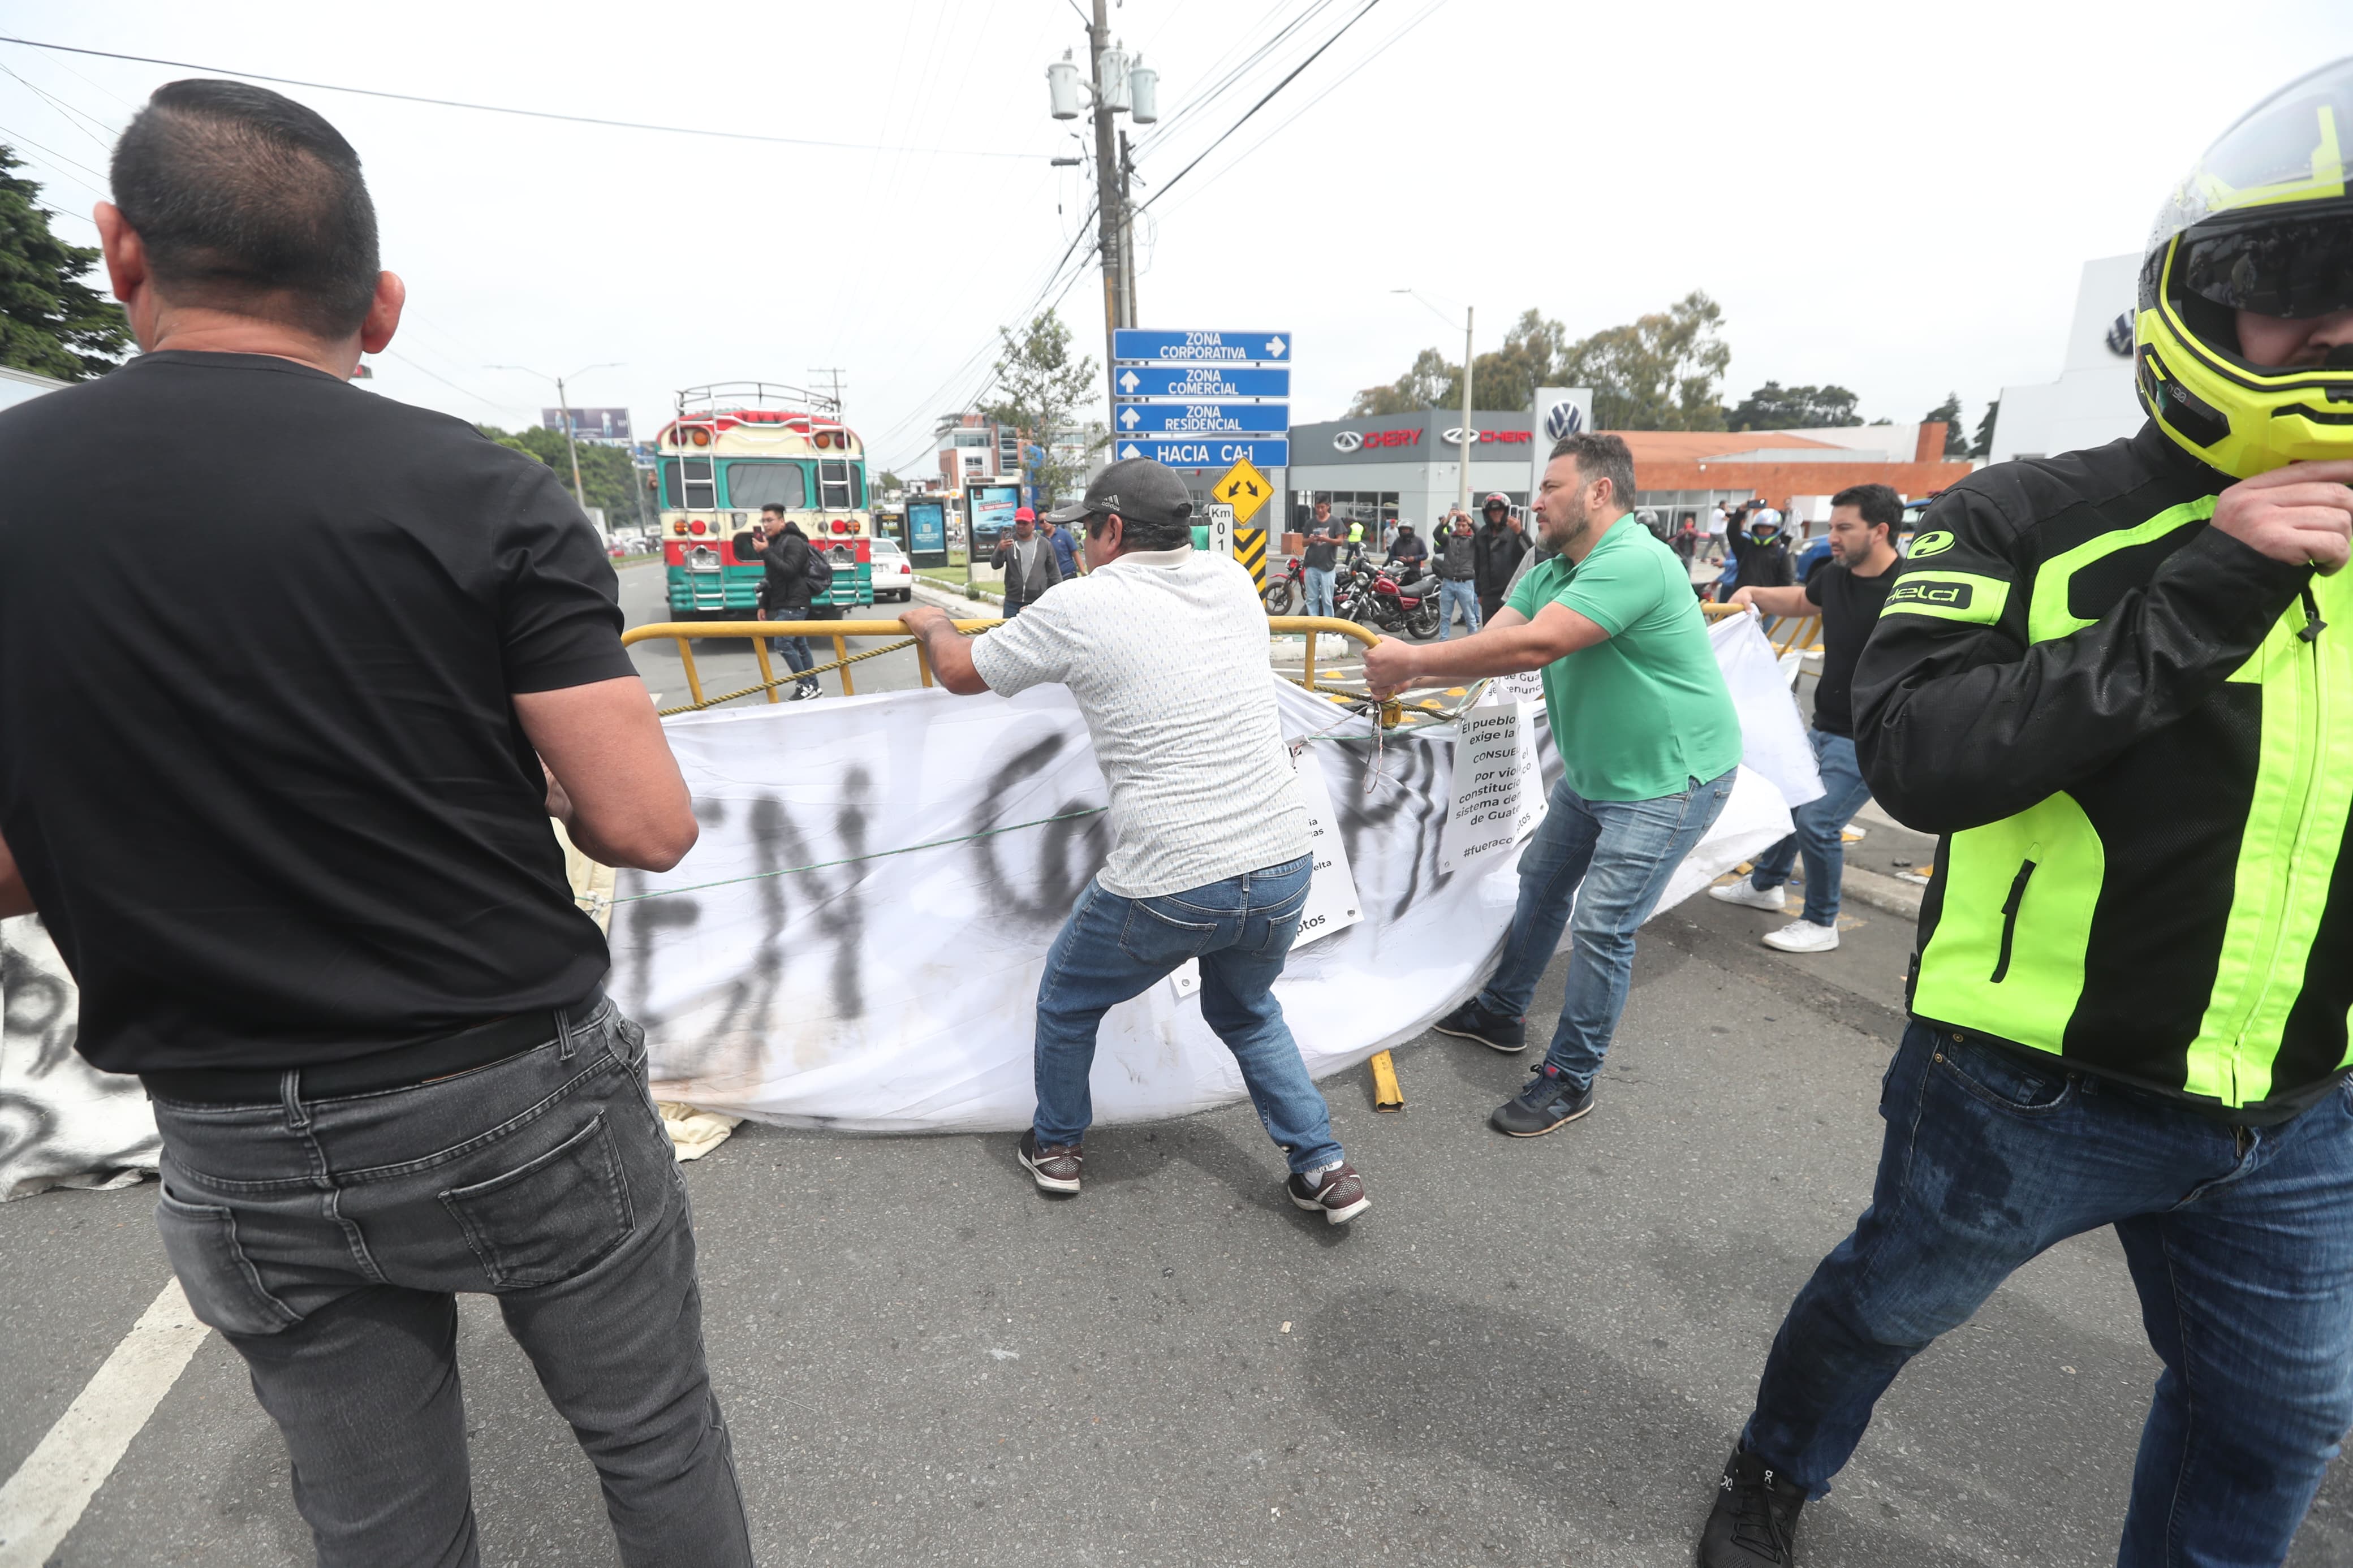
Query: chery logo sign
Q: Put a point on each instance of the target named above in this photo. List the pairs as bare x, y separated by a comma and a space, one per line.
1347, 440
1454, 437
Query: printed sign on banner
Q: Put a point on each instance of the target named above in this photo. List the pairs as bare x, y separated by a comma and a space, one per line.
1498, 789
1332, 902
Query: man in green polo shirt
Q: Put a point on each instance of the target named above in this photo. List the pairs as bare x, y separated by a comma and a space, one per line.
1648, 744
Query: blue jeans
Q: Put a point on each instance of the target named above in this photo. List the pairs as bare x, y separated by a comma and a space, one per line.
1614, 856
1112, 948
1818, 823
1452, 596
795, 651
2239, 1241
1319, 591
327, 1240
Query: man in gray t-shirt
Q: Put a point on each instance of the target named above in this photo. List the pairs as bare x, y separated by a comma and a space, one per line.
1163, 648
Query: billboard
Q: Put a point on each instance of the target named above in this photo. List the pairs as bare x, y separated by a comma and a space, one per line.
927, 530
603, 425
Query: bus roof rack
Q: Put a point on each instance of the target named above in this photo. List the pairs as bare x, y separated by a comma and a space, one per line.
733, 394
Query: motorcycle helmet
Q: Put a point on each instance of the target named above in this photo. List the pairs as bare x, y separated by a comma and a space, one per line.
2263, 222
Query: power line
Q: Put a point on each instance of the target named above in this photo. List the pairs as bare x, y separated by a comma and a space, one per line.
521, 113
1378, 50
1170, 183
28, 142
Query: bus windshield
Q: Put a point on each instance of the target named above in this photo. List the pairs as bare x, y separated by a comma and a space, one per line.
755, 483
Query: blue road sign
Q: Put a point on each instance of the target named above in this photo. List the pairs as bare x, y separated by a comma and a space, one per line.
1202, 420
1209, 453
1201, 383
1151, 345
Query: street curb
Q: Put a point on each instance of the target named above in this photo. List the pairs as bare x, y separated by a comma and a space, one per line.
955, 603
1882, 891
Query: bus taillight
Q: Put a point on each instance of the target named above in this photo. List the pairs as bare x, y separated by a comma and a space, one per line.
697, 526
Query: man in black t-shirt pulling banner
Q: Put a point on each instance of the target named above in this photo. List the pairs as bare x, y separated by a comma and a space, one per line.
298, 860
1847, 593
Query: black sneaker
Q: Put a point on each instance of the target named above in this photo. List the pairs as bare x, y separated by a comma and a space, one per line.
1335, 1191
1055, 1166
1754, 1524
1473, 1022
1550, 1100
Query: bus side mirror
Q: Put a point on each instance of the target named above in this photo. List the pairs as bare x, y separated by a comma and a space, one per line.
747, 549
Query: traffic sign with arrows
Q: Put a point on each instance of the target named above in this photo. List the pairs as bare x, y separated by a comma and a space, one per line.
1245, 490
1155, 345
1201, 383
1204, 418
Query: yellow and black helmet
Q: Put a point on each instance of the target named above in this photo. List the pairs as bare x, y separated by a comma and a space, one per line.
2264, 223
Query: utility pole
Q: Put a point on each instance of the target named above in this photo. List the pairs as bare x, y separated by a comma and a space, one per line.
1127, 231
564, 410
1462, 485
833, 371
1110, 216
570, 445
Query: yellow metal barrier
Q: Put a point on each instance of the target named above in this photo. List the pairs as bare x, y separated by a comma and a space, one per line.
684, 633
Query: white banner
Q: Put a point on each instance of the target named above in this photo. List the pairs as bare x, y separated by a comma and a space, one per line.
856, 940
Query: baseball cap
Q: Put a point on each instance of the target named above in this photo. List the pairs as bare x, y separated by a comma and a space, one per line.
1023, 514
1137, 488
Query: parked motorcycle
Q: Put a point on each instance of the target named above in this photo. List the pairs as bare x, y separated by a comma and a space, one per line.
1407, 600
1287, 590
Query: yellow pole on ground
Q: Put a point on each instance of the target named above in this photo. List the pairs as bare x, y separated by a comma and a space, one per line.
1387, 1093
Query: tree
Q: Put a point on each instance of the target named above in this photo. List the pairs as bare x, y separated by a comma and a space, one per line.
50, 321
1949, 415
885, 482
607, 476
1426, 385
1038, 387
1773, 406
1983, 446
1661, 372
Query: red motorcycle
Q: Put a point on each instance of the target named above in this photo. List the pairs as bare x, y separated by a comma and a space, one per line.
1287, 590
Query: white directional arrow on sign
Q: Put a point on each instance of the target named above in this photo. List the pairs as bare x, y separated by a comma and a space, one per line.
1274, 346
1127, 417
1129, 451
1128, 383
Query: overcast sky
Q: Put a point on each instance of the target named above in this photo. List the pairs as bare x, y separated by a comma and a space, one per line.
1896, 199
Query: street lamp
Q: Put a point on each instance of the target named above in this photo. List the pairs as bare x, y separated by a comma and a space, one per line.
563, 406
1462, 485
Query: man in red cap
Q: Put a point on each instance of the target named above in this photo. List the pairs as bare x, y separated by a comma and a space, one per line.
1027, 562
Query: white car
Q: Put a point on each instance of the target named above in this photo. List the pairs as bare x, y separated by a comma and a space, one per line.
893, 577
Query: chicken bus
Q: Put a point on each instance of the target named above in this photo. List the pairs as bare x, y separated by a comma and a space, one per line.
735, 447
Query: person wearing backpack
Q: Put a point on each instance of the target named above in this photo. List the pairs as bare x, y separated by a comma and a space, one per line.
797, 572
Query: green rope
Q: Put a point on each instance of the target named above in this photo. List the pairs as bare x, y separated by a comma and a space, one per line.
853, 859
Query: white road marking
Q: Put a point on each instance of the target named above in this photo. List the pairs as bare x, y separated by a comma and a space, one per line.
45, 1498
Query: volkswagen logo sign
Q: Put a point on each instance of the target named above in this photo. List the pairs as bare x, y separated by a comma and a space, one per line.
1562, 420
1348, 440
2120, 335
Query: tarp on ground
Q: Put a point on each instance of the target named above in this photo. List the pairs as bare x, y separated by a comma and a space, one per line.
856, 940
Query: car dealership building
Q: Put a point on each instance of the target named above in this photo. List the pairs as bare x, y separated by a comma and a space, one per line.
1407, 467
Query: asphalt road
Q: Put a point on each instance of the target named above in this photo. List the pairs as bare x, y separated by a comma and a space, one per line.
1526, 1353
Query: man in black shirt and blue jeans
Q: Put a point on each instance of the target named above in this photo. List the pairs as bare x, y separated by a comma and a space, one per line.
298, 860
1847, 593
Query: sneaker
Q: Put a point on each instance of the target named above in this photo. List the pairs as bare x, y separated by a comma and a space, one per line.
1547, 1103
1749, 897
1754, 1524
1473, 1022
1055, 1166
1802, 936
1335, 1189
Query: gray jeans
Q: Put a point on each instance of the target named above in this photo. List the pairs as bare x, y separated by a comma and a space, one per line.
327, 1240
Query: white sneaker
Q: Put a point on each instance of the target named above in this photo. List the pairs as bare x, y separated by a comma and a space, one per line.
1802, 936
1744, 894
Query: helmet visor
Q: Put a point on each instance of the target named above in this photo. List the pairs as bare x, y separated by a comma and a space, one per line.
2294, 270
2288, 152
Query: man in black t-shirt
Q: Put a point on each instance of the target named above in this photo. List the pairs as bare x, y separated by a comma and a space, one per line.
1847, 595
354, 656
